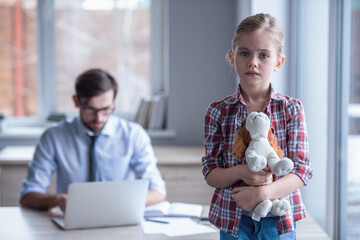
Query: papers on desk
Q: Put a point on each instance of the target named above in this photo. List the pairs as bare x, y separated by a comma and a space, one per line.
176, 227
175, 209
174, 219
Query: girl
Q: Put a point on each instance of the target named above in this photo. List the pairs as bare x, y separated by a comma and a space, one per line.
256, 53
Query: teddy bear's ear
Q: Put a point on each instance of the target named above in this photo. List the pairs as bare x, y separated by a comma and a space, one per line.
239, 146
241, 142
272, 130
274, 145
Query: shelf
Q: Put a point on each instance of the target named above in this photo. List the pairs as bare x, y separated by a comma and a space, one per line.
161, 134
179, 155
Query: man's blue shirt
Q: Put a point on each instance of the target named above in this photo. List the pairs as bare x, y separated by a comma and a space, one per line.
123, 148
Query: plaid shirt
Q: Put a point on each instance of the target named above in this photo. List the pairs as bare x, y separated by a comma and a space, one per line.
221, 123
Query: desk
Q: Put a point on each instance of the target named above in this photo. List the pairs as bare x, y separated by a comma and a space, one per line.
180, 167
13, 169
14, 162
20, 223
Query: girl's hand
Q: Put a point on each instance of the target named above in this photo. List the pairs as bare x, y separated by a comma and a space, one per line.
247, 197
260, 178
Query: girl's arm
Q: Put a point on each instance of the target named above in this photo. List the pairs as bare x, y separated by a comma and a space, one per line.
225, 177
248, 197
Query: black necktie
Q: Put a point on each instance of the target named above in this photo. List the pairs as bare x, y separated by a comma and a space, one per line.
92, 158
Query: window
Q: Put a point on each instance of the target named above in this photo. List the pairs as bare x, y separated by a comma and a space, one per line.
18, 58
114, 35
347, 119
72, 36
353, 165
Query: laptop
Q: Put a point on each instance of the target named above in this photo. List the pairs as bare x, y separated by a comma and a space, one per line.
104, 204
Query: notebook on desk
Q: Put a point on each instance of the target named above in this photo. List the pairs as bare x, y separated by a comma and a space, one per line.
104, 204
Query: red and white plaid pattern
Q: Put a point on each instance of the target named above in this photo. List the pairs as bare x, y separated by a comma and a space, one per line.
221, 123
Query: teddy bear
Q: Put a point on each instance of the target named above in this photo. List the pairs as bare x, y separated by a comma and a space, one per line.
256, 142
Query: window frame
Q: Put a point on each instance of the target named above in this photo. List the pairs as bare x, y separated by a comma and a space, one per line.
340, 37
46, 63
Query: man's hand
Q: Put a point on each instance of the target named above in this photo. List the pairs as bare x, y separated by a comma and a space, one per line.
154, 197
44, 201
62, 198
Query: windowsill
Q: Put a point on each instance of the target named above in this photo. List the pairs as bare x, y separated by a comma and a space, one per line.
21, 133
167, 155
33, 133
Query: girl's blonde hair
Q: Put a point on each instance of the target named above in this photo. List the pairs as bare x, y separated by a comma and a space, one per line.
265, 22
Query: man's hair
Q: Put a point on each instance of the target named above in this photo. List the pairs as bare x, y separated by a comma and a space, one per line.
94, 82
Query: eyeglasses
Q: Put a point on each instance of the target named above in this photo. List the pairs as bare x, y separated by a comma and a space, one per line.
93, 111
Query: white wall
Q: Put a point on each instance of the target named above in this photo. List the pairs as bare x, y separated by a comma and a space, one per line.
200, 33
280, 10
313, 76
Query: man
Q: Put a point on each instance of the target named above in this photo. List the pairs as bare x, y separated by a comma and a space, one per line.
121, 147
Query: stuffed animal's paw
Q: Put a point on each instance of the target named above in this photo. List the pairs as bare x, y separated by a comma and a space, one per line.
280, 207
282, 167
256, 162
261, 210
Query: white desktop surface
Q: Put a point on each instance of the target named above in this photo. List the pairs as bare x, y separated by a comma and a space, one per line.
18, 223
24, 224
16, 154
21, 223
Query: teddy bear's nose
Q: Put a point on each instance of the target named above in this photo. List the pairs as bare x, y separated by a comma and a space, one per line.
258, 115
